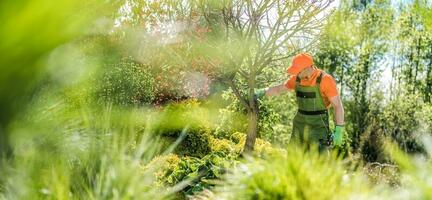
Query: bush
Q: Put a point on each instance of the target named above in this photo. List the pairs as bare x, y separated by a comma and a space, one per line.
125, 83
196, 143
197, 174
162, 166
187, 123
223, 145
401, 120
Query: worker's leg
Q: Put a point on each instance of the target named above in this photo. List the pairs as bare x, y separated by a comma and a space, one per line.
320, 138
319, 131
301, 131
297, 136
302, 135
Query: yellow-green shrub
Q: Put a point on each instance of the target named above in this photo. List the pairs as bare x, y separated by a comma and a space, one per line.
261, 147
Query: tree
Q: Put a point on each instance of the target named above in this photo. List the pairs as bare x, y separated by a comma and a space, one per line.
238, 39
336, 46
265, 33
415, 48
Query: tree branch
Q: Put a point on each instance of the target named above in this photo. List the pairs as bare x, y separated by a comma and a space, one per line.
237, 93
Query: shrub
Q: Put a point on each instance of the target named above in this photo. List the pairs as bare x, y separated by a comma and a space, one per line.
222, 145
232, 117
196, 174
196, 143
276, 115
187, 123
261, 148
162, 166
125, 83
403, 120
400, 122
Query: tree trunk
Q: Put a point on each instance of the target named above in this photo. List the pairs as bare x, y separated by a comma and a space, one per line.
428, 88
417, 60
392, 80
252, 129
409, 71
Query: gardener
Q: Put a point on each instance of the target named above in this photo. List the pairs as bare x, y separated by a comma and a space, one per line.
316, 91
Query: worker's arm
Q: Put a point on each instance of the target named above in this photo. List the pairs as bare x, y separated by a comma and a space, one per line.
276, 90
338, 110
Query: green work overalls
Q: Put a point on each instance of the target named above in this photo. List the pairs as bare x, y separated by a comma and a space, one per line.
311, 123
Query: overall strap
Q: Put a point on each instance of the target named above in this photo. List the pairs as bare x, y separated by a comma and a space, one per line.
318, 81
297, 79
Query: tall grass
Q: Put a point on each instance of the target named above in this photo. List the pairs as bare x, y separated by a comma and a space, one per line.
300, 174
295, 174
64, 152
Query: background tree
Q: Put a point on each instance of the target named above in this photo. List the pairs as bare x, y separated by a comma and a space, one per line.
414, 38
352, 46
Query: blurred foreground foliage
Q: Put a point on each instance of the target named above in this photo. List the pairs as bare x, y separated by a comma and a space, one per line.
95, 110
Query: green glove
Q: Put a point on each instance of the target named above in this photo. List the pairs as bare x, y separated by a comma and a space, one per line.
260, 92
338, 135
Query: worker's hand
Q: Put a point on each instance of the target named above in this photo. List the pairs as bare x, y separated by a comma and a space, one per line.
337, 135
260, 92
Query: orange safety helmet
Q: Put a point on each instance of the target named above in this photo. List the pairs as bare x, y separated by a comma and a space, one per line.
300, 62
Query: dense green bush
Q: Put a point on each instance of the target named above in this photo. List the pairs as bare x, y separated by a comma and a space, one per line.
195, 143
125, 83
193, 174
187, 123
403, 120
400, 121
